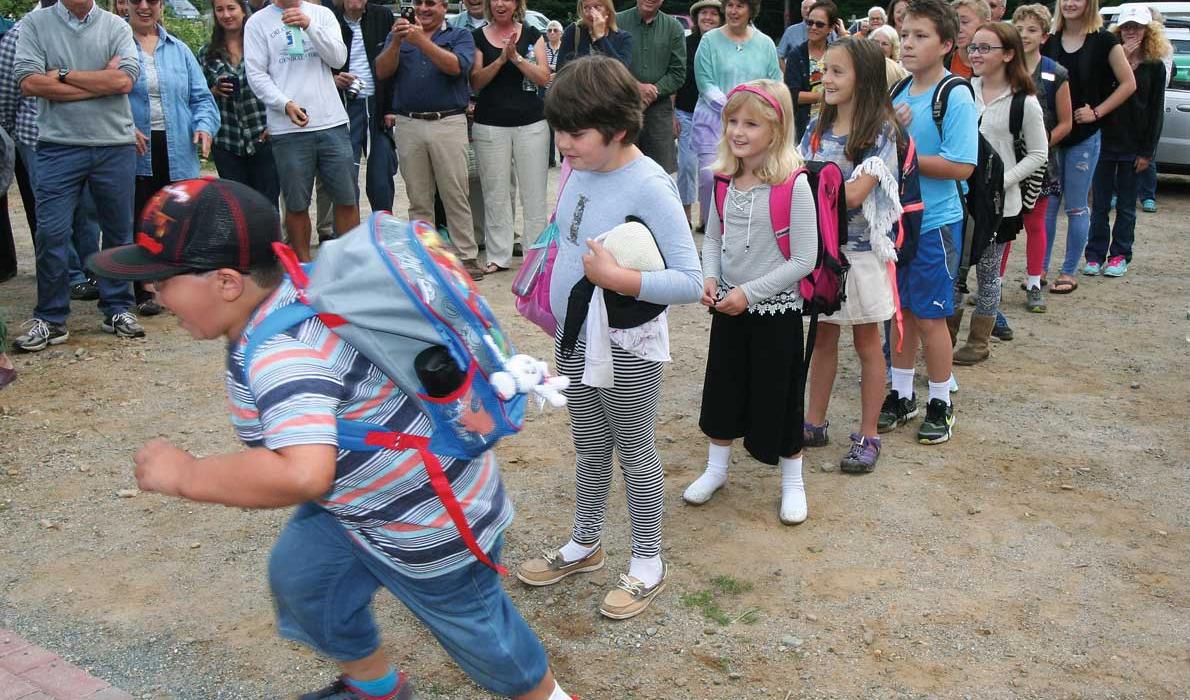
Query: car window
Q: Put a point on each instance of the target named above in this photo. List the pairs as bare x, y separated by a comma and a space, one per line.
1181, 65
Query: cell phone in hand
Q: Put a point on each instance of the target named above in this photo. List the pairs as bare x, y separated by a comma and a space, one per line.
409, 15
232, 81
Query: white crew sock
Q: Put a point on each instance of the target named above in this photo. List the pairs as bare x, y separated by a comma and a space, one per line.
940, 391
558, 693
902, 382
1033, 281
793, 491
713, 478
573, 551
647, 570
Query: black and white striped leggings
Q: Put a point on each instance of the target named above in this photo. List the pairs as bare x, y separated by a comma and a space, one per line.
623, 418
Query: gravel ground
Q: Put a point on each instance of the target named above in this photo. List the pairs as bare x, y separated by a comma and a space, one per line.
1040, 554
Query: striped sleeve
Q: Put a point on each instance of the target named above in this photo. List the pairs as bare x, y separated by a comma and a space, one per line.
298, 387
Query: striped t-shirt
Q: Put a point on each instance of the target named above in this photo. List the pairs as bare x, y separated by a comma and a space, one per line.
299, 383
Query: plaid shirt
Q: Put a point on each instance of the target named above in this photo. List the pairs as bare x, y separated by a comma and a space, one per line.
243, 114
18, 114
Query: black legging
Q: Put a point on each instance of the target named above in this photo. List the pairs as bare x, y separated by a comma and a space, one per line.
8, 251
147, 186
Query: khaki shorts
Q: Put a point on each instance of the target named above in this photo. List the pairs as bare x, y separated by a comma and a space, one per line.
869, 292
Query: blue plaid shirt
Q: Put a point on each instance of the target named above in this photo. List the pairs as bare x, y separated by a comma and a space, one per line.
18, 114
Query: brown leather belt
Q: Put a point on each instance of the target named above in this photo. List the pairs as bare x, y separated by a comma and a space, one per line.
433, 116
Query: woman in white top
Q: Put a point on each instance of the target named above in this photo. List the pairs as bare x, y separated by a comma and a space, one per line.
1002, 79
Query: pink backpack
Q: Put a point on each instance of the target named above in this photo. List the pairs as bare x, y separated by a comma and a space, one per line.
531, 285
824, 289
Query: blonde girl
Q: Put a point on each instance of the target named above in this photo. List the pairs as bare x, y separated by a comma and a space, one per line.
754, 381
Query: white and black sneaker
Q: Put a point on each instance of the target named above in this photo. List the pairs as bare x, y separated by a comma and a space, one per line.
124, 325
39, 335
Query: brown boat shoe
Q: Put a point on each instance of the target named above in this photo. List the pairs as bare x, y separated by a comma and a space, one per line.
630, 597
552, 568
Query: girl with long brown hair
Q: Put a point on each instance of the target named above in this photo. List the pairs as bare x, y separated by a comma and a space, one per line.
1001, 80
857, 129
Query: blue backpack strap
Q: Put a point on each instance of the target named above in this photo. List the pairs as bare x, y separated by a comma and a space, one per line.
274, 324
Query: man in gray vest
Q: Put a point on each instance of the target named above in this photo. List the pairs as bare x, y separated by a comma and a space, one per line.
80, 61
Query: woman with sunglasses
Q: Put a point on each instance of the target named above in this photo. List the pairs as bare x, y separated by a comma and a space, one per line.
242, 151
803, 66
172, 109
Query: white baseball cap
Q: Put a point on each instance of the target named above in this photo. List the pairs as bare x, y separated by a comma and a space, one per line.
1134, 12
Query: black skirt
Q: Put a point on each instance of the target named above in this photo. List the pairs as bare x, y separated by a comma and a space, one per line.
755, 385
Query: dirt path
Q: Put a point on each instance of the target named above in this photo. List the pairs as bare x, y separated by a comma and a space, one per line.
1042, 553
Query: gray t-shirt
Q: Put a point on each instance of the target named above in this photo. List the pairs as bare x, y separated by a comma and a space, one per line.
593, 203
50, 40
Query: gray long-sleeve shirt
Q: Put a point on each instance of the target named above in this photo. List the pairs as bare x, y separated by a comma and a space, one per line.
748, 257
593, 203
55, 39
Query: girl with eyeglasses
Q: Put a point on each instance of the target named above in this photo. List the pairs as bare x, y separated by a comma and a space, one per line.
1001, 81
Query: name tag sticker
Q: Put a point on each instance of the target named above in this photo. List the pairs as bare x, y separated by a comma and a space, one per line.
1047, 76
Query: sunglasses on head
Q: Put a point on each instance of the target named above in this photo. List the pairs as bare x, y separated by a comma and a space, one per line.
816, 24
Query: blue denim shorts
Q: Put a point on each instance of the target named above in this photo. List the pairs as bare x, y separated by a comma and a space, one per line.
323, 583
300, 156
926, 285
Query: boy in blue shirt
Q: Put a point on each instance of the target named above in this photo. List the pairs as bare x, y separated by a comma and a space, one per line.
365, 519
926, 285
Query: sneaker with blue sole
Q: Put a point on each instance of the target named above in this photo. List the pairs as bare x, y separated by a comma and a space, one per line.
1116, 266
1149, 206
1091, 269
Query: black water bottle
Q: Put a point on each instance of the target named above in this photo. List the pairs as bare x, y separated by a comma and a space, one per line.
439, 373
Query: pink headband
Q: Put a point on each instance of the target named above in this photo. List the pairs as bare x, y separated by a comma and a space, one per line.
772, 101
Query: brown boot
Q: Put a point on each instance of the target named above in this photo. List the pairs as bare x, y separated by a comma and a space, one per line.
953, 323
976, 349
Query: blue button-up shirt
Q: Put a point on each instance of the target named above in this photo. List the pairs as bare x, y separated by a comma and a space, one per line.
71, 20
418, 84
186, 102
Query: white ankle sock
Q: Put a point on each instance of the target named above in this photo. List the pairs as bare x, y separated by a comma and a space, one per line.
902, 382
1033, 281
573, 551
954, 385
558, 693
793, 491
940, 391
713, 478
647, 570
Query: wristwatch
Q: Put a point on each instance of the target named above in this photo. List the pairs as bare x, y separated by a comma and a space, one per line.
62, 73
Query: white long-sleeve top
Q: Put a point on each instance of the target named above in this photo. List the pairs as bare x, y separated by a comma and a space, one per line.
994, 125
747, 256
276, 77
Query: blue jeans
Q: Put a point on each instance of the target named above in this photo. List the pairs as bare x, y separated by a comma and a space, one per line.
85, 240
323, 583
1078, 170
382, 154
258, 171
1146, 183
63, 172
1115, 175
687, 159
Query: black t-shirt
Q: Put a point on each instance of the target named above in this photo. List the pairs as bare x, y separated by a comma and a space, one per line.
1091, 76
511, 99
687, 96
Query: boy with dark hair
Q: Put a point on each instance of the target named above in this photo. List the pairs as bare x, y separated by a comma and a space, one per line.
926, 285
364, 519
595, 111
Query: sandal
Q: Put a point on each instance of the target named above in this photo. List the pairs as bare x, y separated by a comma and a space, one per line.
1064, 285
493, 268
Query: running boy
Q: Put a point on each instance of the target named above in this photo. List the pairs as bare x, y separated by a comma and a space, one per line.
364, 519
926, 285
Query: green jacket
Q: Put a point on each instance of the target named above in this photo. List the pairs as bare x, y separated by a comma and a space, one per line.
658, 50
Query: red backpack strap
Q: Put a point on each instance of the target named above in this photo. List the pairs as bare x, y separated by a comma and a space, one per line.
780, 201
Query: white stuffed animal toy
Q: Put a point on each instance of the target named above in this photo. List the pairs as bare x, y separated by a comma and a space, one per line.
524, 374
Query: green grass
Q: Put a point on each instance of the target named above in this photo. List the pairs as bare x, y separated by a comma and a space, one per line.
705, 601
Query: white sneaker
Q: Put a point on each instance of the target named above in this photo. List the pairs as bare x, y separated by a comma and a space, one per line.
794, 510
704, 487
